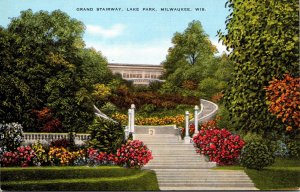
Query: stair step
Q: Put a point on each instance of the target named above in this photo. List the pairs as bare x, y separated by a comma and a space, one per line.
175, 161
204, 179
200, 181
203, 166
205, 184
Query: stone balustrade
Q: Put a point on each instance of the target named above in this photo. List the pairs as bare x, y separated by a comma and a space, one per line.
29, 138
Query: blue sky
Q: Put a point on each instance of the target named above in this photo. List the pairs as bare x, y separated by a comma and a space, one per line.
135, 37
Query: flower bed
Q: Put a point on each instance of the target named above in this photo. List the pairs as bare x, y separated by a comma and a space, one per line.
133, 154
168, 120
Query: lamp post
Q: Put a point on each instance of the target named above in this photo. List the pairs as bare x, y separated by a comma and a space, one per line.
196, 119
187, 137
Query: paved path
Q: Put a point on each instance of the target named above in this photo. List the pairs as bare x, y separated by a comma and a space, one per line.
209, 110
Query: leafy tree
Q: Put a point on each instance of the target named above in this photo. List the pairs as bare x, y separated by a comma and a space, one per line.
191, 48
44, 64
191, 68
263, 37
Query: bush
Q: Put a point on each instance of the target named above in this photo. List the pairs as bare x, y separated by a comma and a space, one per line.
109, 108
148, 108
256, 155
22, 156
250, 136
107, 136
133, 154
10, 136
219, 145
41, 157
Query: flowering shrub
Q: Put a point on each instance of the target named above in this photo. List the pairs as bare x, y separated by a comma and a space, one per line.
133, 154
219, 145
283, 100
40, 154
99, 158
10, 136
22, 156
61, 156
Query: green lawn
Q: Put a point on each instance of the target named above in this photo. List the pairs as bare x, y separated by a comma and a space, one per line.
103, 178
284, 174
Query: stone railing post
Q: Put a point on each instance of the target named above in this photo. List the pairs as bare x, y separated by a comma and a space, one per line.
128, 127
132, 119
196, 119
187, 136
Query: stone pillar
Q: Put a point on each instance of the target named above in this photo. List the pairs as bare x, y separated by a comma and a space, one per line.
128, 127
187, 137
132, 120
196, 119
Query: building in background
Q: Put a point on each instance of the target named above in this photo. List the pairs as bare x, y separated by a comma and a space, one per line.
140, 74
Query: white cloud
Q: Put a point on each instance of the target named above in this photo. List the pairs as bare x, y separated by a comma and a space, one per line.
114, 31
220, 47
134, 53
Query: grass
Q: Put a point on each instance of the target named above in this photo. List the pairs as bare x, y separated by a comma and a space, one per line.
284, 174
103, 178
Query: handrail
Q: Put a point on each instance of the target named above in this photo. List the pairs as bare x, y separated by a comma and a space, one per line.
48, 137
98, 113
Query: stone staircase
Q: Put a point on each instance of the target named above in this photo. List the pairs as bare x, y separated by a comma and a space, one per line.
179, 167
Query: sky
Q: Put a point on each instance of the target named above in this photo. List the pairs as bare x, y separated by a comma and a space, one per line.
127, 35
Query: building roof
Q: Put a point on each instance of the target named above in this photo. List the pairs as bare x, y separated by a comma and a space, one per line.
134, 65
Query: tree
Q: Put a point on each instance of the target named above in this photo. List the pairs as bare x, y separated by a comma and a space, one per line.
44, 64
263, 37
190, 48
191, 53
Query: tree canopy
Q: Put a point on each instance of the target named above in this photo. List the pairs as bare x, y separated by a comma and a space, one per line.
191, 68
44, 64
264, 39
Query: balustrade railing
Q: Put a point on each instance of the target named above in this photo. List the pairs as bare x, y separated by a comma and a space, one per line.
80, 138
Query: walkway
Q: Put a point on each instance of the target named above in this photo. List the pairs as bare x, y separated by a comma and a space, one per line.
179, 167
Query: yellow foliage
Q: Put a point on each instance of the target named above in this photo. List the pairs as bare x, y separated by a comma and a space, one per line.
101, 91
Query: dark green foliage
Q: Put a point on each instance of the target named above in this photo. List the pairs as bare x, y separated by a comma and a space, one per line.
107, 136
109, 108
123, 97
256, 155
43, 64
224, 119
264, 39
78, 178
